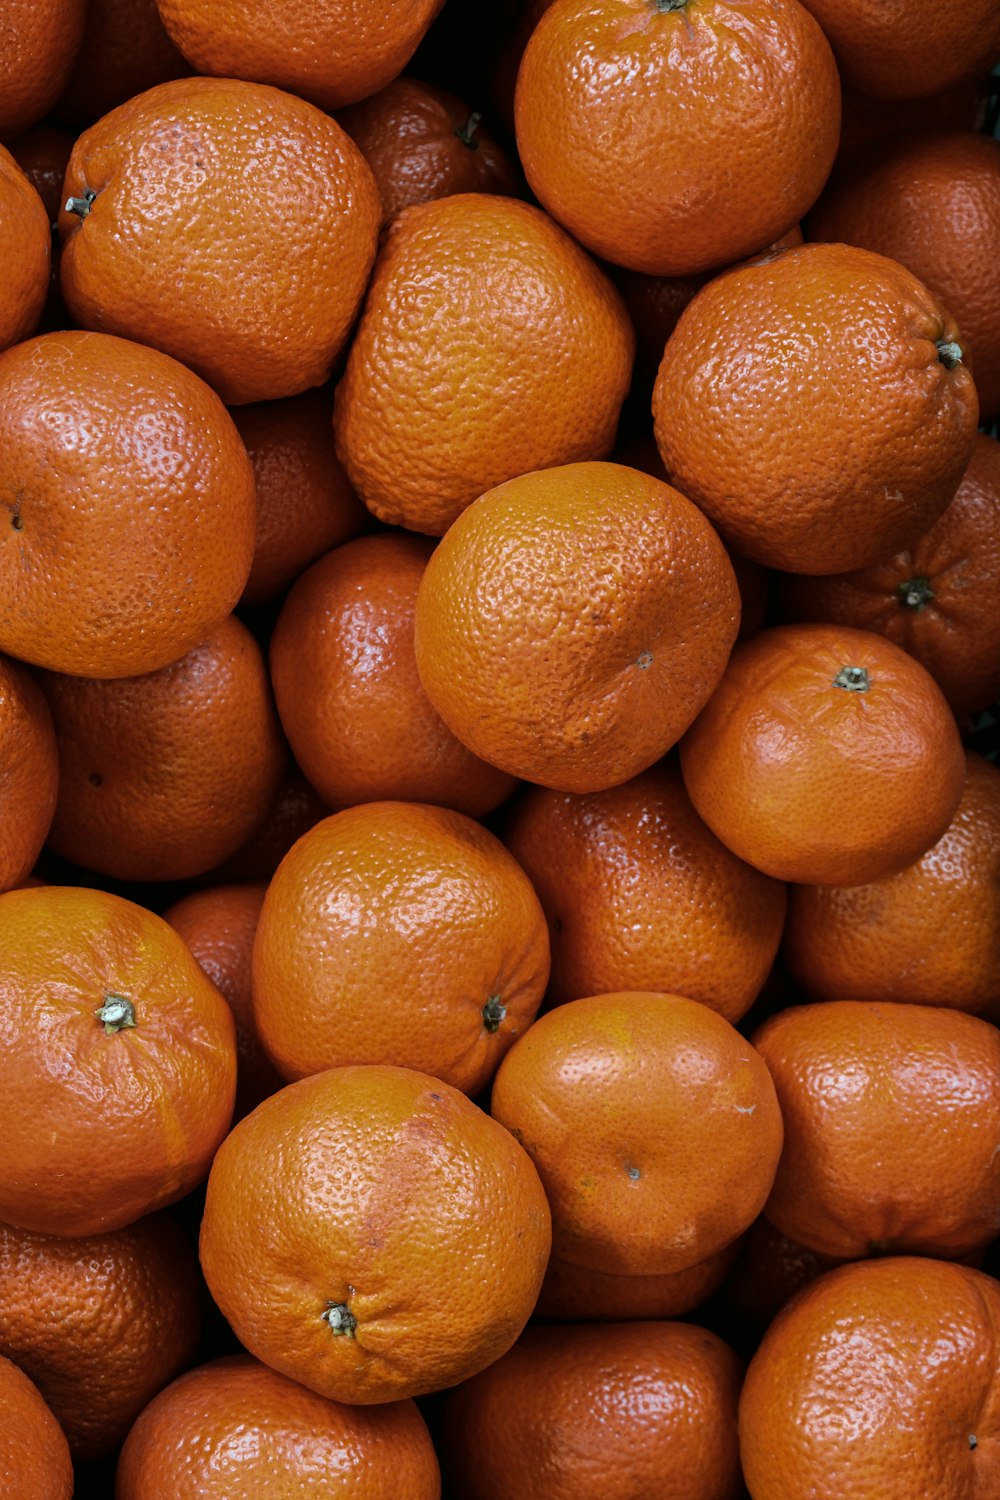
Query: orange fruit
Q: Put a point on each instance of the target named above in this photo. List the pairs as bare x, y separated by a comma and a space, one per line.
117, 1062
961, 106
653, 1124
422, 142
234, 1427
305, 503
490, 344
29, 773
878, 1379
372, 1234
187, 257
581, 1295
124, 50
294, 809
100, 1324
26, 246
907, 52
41, 38
769, 1270
218, 925
825, 756
345, 678
572, 623
620, 1411
680, 135
163, 776
410, 937
929, 935
100, 437
42, 155
639, 894
935, 599
817, 408
891, 1115
332, 53
34, 1453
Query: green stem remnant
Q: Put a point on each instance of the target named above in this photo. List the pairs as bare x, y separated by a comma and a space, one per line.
341, 1320
81, 206
854, 679
117, 1013
915, 593
467, 132
493, 1013
950, 355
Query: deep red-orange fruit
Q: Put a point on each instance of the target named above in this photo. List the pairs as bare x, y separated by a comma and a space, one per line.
29, 773
40, 38
26, 247
905, 51
578, 1294
34, 1454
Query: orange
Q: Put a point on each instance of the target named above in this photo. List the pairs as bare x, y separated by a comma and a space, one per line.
163, 776
345, 678
41, 38
961, 106
103, 438
372, 1234
124, 50
409, 936
42, 155
653, 1124
639, 894
34, 1454
931, 200
422, 142
622, 1411
101, 1323
117, 1062
907, 51
580, 1295
226, 223
334, 52
490, 344
878, 1379
305, 503
817, 407
892, 1114
769, 1270
234, 1427
826, 756
929, 935
677, 135
572, 623
294, 809
29, 773
26, 246
935, 599
218, 925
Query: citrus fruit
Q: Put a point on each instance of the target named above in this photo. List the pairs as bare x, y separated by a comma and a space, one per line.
34, 1453
29, 773
909, 51
580, 1295
26, 245
294, 809
41, 38
124, 50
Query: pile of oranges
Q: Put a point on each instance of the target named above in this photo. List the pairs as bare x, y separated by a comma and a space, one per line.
500, 916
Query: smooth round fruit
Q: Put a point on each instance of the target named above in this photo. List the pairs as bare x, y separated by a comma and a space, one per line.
124, 50
678, 135
34, 1453
490, 344
906, 51
372, 1234
881, 1378
41, 38
29, 773
345, 678
580, 1295
620, 1411
128, 505
117, 1062
653, 1124
398, 933
26, 247
192, 203
826, 756
817, 407
573, 622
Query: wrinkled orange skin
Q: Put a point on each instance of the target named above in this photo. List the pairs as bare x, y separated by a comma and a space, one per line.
891, 1113
193, 1440
803, 404
639, 894
573, 622
41, 38
97, 1129
205, 238
333, 53
124, 50
393, 925
579, 1295
814, 782
906, 49
26, 247
490, 344
936, 599
881, 1378
126, 506
619, 1411
305, 503
671, 142
931, 200
413, 136
34, 1453
387, 1192
29, 773
295, 809
345, 678
653, 1124
929, 935
100, 1324
163, 776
